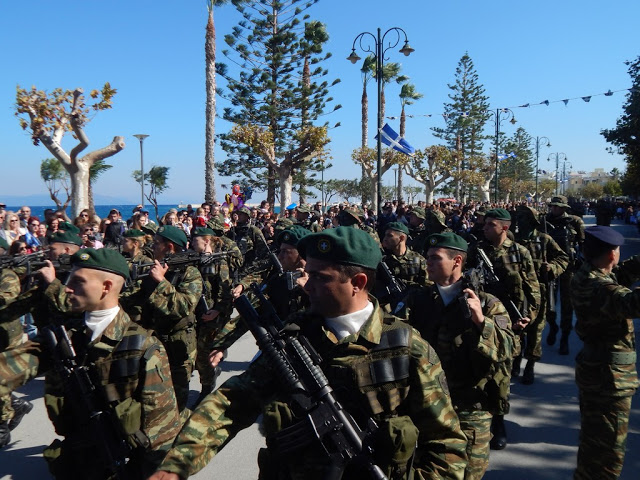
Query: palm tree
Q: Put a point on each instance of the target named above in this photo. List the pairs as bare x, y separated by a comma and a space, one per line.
97, 169
210, 110
408, 95
368, 70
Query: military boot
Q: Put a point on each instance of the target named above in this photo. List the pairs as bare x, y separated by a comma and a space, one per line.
553, 332
20, 408
515, 368
564, 344
5, 434
528, 376
499, 440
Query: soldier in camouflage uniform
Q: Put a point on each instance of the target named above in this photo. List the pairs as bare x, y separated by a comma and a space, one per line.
345, 325
606, 366
12, 408
128, 367
169, 299
215, 308
471, 332
424, 223
235, 258
133, 242
549, 261
353, 217
568, 232
304, 218
518, 284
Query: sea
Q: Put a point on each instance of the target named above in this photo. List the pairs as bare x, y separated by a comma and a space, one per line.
101, 210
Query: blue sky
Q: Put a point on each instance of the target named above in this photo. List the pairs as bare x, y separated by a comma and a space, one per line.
153, 54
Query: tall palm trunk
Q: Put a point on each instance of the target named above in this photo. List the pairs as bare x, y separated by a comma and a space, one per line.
403, 127
210, 113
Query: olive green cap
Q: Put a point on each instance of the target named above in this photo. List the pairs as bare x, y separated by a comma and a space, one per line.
448, 240
342, 245
292, 235
173, 234
243, 210
349, 216
149, 228
133, 233
216, 224
104, 259
397, 226
419, 212
439, 217
66, 237
4, 244
68, 227
559, 201
203, 232
498, 214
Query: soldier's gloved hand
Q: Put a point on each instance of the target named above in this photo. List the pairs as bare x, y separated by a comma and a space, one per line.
210, 315
475, 306
158, 271
161, 475
48, 273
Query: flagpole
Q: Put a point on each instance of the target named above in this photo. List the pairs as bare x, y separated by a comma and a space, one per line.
379, 51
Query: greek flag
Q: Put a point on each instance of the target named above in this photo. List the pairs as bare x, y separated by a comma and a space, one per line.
395, 141
506, 155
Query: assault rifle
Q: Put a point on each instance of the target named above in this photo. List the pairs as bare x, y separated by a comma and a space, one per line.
493, 280
397, 289
321, 417
86, 404
291, 277
551, 284
179, 261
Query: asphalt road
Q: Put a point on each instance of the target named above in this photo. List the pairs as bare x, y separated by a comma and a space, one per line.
543, 425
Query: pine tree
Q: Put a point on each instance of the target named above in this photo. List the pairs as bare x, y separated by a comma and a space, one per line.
625, 136
274, 102
517, 170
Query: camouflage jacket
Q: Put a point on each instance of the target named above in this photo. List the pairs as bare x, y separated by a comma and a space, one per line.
604, 322
514, 268
410, 267
310, 225
217, 288
9, 286
235, 259
134, 310
469, 354
10, 326
147, 384
240, 400
541, 245
568, 232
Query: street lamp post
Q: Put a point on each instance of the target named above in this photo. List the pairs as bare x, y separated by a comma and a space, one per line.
545, 143
141, 137
507, 114
379, 51
564, 174
559, 156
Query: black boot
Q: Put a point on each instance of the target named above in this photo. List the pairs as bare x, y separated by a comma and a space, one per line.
515, 369
5, 434
20, 408
564, 344
499, 440
553, 332
528, 376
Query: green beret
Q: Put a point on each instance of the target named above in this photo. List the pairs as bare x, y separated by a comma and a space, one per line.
447, 240
4, 244
344, 246
133, 233
304, 208
419, 212
498, 214
66, 237
104, 259
68, 227
559, 201
243, 210
292, 235
173, 234
397, 226
203, 232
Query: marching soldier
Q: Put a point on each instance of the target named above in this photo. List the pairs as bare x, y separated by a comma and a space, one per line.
304, 218
568, 232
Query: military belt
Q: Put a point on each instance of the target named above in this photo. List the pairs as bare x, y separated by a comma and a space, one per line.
595, 354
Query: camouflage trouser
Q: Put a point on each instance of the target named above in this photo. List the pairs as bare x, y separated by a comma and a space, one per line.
563, 285
477, 428
18, 364
533, 332
604, 422
181, 350
206, 334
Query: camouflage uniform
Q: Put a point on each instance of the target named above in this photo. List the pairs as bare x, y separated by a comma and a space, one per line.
434, 223
130, 370
470, 357
568, 232
134, 310
255, 252
410, 268
606, 366
541, 245
419, 400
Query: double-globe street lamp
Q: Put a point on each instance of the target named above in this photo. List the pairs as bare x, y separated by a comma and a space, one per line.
500, 115
545, 143
564, 175
379, 51
559, 156
141, 137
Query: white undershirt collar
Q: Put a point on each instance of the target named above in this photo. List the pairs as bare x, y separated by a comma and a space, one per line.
99, 320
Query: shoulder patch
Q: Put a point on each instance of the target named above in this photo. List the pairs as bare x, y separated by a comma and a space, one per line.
442, 380
502, 321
